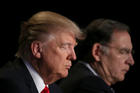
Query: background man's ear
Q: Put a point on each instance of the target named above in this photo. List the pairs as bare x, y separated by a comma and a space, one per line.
36, 49
96, 51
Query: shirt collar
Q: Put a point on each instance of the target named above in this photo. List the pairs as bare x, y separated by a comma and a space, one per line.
89, 67
36, 77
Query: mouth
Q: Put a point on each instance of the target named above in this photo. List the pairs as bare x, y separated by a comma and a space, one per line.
68, 67
125, 70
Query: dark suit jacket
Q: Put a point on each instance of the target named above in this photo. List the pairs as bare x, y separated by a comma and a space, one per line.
82, 80
15, 78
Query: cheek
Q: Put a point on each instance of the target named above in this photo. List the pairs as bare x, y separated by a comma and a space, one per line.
58, 62
61, 69
116, 64
117, 68
115, 61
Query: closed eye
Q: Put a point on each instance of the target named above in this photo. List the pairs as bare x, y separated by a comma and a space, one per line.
66, 45
125, 51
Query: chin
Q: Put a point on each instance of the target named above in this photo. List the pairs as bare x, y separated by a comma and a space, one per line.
121, 78
64, 75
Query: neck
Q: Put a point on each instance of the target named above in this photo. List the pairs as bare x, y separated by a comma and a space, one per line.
50, 79
45, 73
102, 72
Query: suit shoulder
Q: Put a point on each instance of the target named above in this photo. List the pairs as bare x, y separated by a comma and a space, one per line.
54, 88
93, 83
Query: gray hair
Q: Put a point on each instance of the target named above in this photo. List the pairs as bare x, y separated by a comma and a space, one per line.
99, 31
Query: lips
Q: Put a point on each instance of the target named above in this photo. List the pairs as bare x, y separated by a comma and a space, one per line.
125, 70
68, 67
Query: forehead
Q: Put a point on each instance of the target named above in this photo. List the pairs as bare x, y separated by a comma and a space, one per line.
65, 36
121, 39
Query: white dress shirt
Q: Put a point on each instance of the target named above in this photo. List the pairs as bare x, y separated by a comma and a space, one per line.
36, 77
89, 67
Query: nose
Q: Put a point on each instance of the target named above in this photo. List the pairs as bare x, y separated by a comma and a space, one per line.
72, 55
130, 60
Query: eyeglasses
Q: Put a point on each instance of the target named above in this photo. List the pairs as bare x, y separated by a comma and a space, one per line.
122, 51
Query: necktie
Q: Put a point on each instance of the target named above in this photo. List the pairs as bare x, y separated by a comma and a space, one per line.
45, 90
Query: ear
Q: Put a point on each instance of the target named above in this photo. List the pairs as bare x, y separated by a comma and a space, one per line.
96, 51
36, 49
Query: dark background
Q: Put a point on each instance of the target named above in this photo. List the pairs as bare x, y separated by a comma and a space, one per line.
13, 13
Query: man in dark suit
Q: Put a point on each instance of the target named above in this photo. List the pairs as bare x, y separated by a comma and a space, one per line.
106, 58
46, 48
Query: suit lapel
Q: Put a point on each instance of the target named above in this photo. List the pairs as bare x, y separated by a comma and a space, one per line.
26, 76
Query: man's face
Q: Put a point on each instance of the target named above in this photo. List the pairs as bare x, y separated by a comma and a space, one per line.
57, 54
117, 61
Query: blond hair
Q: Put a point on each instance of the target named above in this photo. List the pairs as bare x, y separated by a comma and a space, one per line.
42, 23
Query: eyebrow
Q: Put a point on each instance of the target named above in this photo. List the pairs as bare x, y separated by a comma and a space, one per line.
69, 44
